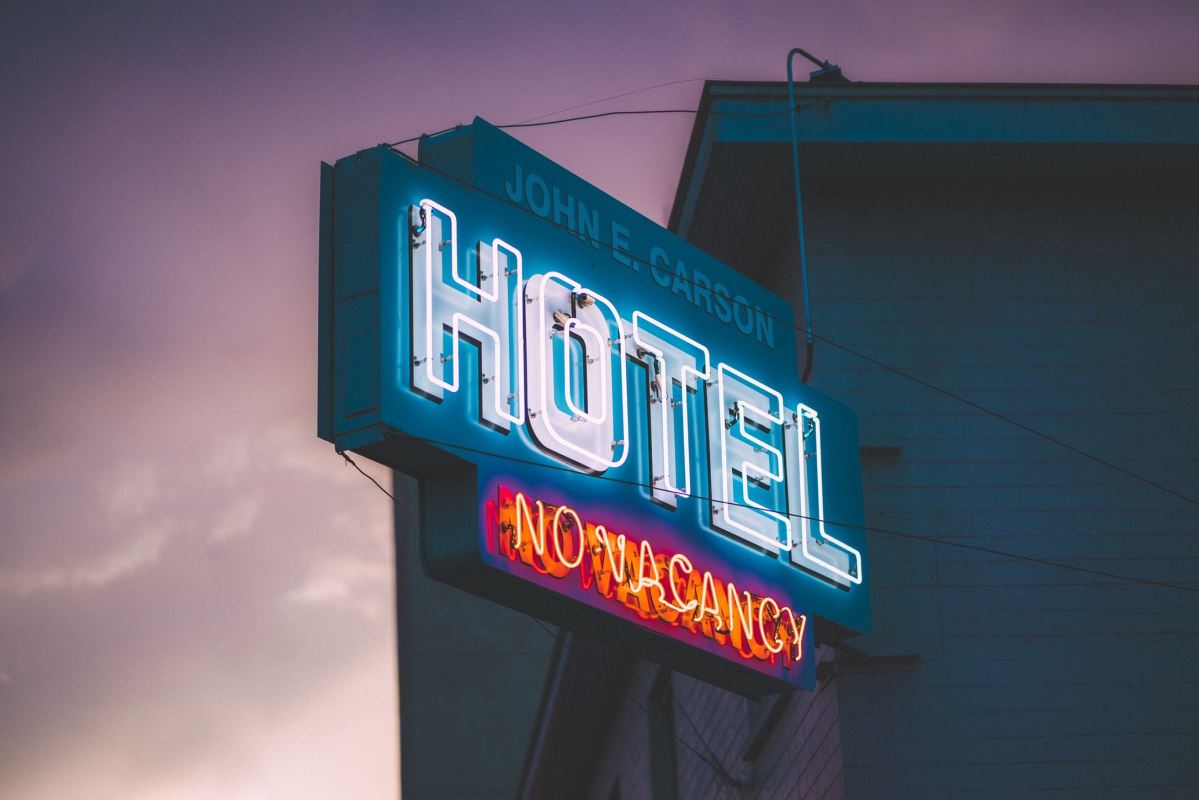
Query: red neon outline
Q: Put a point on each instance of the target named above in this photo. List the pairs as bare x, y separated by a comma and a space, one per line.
758, 628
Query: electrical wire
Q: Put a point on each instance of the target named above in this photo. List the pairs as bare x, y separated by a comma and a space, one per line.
795, 515
875, 529
717, 767
614, 97
354, 464
543, 627
1004, 418
598, 115
716, 763
635, 258
632, 112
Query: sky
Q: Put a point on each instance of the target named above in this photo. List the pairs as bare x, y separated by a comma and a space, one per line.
195, 592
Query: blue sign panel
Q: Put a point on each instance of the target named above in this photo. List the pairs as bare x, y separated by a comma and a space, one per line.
608, 422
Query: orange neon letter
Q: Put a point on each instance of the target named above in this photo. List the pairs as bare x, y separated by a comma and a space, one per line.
740, 619
797, 626
762, 627
576, 537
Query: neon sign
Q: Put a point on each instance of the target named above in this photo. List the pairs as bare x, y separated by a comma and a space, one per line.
544, 380
667, 588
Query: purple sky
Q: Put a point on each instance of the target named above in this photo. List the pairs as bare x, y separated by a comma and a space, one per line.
195, 593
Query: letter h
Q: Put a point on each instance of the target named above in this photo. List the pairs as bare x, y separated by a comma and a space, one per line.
448, 306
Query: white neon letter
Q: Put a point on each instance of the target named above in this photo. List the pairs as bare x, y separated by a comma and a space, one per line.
578, 381
489, 311
746, 418
678, 604
816, 549
670, 358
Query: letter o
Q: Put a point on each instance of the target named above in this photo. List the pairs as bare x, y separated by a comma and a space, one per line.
740, 304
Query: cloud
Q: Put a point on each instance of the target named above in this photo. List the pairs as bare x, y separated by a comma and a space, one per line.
338, 740
365, 524
132, 555
238, 519
129, 491
230, 459
335, 582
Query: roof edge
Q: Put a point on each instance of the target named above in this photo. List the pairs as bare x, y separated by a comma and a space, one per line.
680, 191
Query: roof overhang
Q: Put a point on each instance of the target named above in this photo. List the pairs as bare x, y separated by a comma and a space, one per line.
737, 168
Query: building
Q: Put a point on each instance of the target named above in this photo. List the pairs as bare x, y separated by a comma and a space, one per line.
1030, 250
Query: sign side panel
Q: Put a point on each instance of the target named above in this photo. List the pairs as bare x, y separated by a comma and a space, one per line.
356, 274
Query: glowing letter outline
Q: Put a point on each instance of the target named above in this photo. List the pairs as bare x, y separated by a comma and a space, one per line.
503, 335
724, 506
800, 501
662, 458
549, 424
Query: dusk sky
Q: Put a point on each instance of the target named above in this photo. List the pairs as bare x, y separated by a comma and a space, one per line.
195, 592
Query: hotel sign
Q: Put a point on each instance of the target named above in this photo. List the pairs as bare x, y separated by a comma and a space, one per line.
607, 422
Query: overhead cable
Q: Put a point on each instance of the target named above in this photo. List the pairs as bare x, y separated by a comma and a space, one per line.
795, 515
